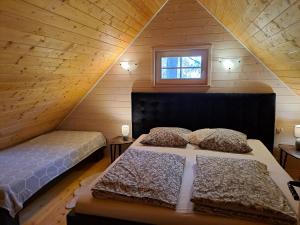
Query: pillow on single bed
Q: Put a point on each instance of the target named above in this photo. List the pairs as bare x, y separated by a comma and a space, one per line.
166, 137
220, 139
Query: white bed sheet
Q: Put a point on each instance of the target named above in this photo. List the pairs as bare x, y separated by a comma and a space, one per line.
184, 213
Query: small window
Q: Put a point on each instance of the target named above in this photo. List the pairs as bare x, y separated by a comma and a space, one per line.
181, 66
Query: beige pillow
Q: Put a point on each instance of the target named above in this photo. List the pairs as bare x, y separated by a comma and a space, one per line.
197, 136
182, 132
165, 138
226, 140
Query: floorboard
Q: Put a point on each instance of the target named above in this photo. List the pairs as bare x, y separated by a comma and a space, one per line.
49, 207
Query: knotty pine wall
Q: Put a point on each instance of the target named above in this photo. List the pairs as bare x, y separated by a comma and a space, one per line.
53, 51
180, 22
269, 28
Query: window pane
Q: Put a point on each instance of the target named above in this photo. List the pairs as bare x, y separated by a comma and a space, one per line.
167, 62
191, 73
170, 73
191, 61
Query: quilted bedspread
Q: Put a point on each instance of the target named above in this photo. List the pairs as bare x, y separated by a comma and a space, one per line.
27, 167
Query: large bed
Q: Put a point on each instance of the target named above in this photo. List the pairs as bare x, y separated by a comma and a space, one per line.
184, 214
253, 114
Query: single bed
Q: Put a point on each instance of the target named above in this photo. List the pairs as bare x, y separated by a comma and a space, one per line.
29, 166
250, 113
121, 211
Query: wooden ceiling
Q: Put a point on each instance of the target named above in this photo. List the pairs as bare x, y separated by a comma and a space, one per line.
53, 51
270, 29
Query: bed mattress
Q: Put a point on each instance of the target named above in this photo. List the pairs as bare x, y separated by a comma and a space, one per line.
184, 213
27, 167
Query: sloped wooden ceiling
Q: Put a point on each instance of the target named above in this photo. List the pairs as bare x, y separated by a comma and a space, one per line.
268, 28
53, 51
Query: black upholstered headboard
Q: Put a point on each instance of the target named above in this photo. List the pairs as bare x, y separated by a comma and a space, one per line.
252, 114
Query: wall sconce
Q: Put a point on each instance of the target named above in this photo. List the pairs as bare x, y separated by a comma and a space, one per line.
129, 66
125, 132
229, 64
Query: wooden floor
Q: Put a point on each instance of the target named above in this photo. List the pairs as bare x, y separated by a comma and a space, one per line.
49, 207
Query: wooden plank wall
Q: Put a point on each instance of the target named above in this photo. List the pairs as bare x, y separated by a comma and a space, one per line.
180, 22
269, 28
53, 51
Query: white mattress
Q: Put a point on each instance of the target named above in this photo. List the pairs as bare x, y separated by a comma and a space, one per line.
184, 213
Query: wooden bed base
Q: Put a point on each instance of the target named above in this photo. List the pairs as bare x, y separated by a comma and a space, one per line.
6, 219
80, 219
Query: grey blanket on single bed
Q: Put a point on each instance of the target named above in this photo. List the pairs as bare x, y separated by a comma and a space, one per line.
143, 176
239, 187
27, 167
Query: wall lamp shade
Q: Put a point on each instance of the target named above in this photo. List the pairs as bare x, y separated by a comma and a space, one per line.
297, 131
297, 135
129, 66
125, 131
228, 64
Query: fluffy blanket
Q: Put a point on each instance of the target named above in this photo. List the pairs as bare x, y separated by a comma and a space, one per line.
143, 176
239, 187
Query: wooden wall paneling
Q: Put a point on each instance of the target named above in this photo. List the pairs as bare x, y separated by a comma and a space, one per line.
107, 107
44, 16
52, 53
270, 29
31, 26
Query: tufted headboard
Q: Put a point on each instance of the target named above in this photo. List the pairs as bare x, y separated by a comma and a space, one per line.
252, 114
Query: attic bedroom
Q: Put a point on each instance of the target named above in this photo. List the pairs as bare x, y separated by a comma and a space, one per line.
149, 112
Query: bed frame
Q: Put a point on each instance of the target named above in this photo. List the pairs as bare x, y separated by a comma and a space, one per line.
252, 114
6, 219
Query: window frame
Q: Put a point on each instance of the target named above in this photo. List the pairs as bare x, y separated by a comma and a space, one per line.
180, 51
